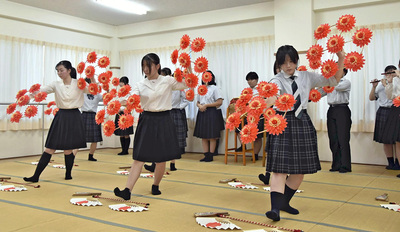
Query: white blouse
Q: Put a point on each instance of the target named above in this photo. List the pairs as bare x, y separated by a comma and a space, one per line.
66, 96
213, 94
382, 99
393, 89
179, 100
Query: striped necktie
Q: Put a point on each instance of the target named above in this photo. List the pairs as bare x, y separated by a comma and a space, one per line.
298, 111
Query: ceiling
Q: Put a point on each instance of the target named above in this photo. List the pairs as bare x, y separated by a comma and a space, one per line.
158, 9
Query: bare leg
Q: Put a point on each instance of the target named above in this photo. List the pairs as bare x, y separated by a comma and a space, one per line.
206, 145
213, 143
294, 181
159, 173
93, 147
257, 145
278, 181
134, 174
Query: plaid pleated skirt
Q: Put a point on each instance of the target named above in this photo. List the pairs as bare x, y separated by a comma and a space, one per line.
155, 138
392, 126
380, 121
296, 150
92, 130
119, 132
67, 131
180, 121
209, 124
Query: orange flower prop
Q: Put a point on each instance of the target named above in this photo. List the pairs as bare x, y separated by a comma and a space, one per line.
139, 109
124, 90
396, 101
109, 73
184, 60
335, 44
103, 78
41, 96
267, 89
315, 52
91, 57
201, 64
233, 121
11, 108
15, 117
269, 112
48, 111
275, 124
125, 121
113, 92
322, 31
198, 44
202, 90
55, 111
178, 75
115, 81
189, 95
133, 101
99, 118
113, 107
285, 102
185, 41
109, 128
346, 23
103, 62
253, 118
354, 61
191, 80
329, 68
50, 104
89, 71
21, 93
247, 91
314, 95
315, 64
34, 88
302, 68
174, 56
249, 133
107, 97
328, 89
106, 87
81, 83
80, 67
362, 37
31, 111
241, 106
257, 105
93, 89
23, 100
206, 77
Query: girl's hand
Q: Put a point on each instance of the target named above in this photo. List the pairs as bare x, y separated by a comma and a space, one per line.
375, 82
202, 108
341, 54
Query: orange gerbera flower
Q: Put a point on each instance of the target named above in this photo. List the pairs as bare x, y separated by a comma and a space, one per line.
92, 57
31, 111
315, 52
93, 89
275, 124
89, 71
202, 90
302, 68
249, 133
189, 95
109, 128
315, 64
174, 56
233, 121
253, 118
113, 107
328, 89
329, 68
103, 78
185, 41
354, 61
99, 118
55, 111
48, 111
103, 62
81, 83
185, 72
247, 91
115, 81
201, 64
21, 93
124, 90
50, 104
34, 88
11, 108
198, 44
191, 80
80, 67
113, 92
15, 117
362, 37
133, 101
184, 60
314, 95
335, 44
396, 101
269, 112
267, 90
107, 97
125, 121
285, 102
257, 105
41, 96
106, 86
178, 75
23, 100
322, 31
346, 23
139, 109
109, 73
206, 77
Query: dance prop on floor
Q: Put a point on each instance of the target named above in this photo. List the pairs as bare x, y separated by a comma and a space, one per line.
85, 202
97, 195
55, 164
127, 208
241, 185
392, 206
211, 220
269, 190
6, 179
11, 188
224, 181
383, 197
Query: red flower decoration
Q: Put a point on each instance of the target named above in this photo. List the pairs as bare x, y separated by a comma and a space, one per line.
362, 37
115, 81
315, 52
191, 80
285, 102
89, 71
113, 107
346, 23
109, 73
21, 93
34, 88
125, 121
202, 90
31, 111
55, 111
106, 87
41, 96
267, 89
269, 112
113, 92
23, 100
107, 97
256, 106
314, 95
81, 83
206, 77
189, 95
233, 121
184, 60
329, 68
109, 128
15, 117
80, 67
93, 89
178, 75
103, 78
253, 118
92, 57
315, 64
302, 68
396, 101
198, 44
185, 41
50, 104
354, 61
328, 89
249, 133
124, 90
174, 56
335, 44
139, 109
201, 64
241, 106
133, 101
11, 108
48, 111
103, 62
322, 31
275, 124
247, 91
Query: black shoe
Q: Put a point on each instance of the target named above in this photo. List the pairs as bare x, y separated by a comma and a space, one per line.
256, 156
124, 194
150, 168
31, 179
91, 158
264, 178
334, 169
273, 215
123, 153
239, 149
344, 170
396, 167
398, 176
155, 190
172, 167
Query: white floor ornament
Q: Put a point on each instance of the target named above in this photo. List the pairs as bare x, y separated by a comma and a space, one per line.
241, 185
394, 207
123, 172
59, 166
216, 223
127, 208
85, 202
12, 188
269, 190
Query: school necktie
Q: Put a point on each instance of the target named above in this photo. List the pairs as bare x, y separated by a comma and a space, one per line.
298, 111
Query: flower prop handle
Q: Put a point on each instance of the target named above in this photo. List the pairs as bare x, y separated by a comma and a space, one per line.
146, 205
6, 179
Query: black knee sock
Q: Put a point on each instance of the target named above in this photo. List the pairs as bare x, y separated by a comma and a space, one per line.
122, 141
277, 199
69, 163
151, 167
172, 167
127, 143
155, 190
265, 178
91, 158
125, 194
287, 197
42, 164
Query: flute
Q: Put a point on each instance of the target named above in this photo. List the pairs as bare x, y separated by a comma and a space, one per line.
388, 73
375, 81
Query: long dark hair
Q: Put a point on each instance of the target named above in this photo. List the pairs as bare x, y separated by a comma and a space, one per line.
67, 65
212, 82
124, 80
151, 58
286, 50
166, 71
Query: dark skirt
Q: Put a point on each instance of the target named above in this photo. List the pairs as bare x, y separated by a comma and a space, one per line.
380, 121
67, 131
119, 132
209, 124
392, 127
93, 131
296, 150
180, 121
155, 138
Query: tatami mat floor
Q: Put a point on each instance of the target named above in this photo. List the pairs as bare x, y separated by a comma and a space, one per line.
330, 201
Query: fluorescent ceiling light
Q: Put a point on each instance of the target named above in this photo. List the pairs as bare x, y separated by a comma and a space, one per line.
124, 5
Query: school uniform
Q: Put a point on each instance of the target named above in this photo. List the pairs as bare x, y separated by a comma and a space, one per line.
209, 123
178, 114
295, 151
392, 126
156, 138
89, 109
382, 113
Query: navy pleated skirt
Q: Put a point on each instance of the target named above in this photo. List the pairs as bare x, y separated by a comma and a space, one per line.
92, 130
380, 121
209, 124
392, 126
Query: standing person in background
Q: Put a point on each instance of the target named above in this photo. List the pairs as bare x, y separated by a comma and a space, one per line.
67, 131
124, 135
378, 94
209, 122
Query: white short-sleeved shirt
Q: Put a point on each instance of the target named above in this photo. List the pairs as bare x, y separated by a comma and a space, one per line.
66, 96
213, 94
91, 102
393, 89
179, 100
341, 93
381, 97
